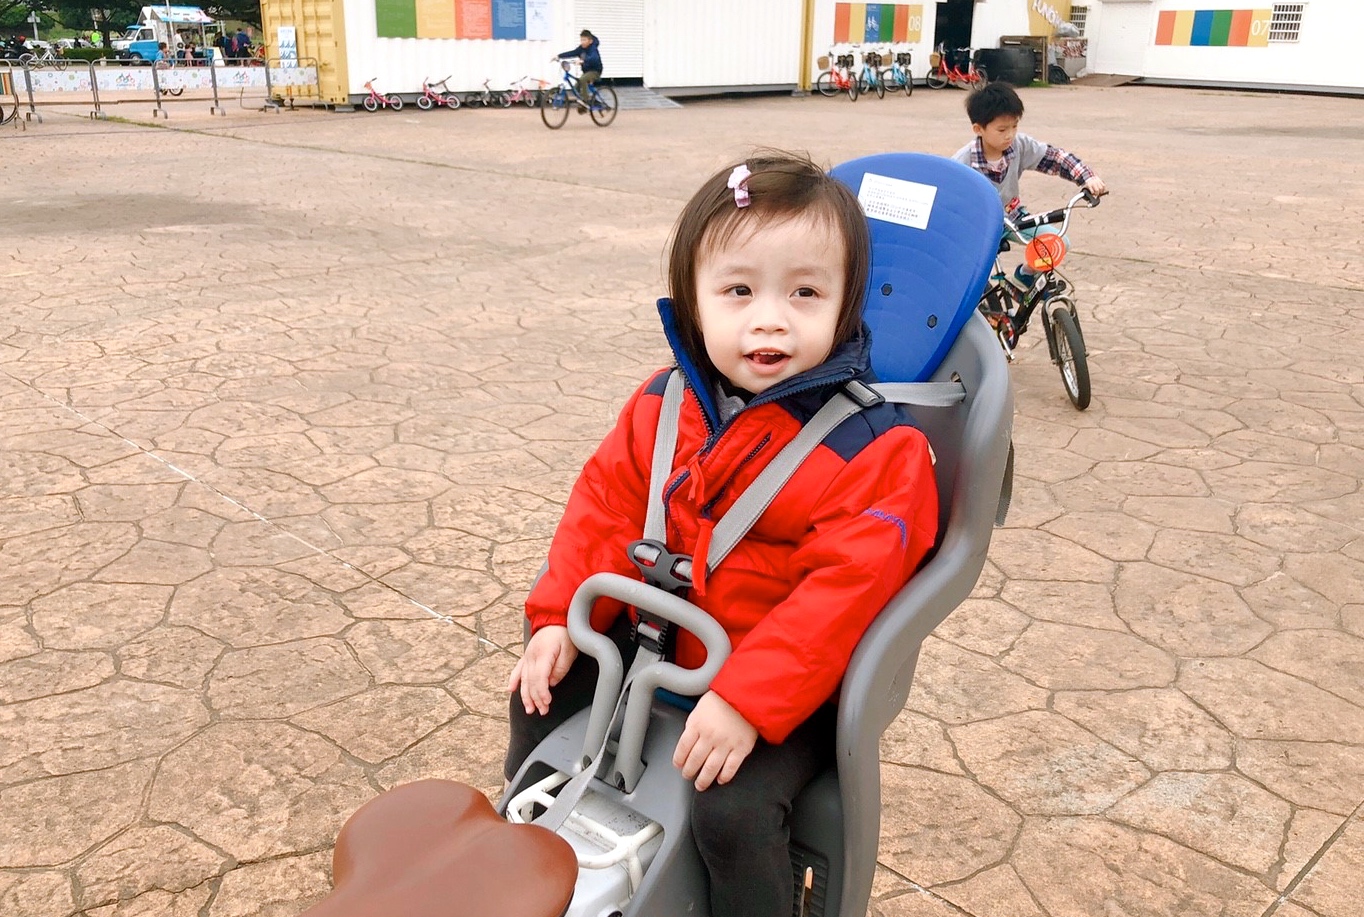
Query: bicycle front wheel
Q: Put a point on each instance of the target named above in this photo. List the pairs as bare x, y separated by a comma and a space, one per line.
554, 110
824, 84
603, 108
501, 100
371, 104
1070, 356
936, 79
424, 102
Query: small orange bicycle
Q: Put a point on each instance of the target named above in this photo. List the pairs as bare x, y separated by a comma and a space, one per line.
944, 72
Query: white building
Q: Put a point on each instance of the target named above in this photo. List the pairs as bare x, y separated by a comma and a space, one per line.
697, 46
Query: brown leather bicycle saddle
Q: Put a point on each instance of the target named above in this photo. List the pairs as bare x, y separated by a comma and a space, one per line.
437, 848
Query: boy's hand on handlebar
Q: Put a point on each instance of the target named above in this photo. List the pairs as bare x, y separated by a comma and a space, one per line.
1096, 186
716, 741
543, 665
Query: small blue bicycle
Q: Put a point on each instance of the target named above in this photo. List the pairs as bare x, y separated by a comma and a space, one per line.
897, 75
555, 103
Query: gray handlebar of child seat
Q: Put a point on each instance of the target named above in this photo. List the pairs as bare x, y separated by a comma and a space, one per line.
611, 670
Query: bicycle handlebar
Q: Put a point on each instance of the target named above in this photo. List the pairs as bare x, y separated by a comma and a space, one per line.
1059, 215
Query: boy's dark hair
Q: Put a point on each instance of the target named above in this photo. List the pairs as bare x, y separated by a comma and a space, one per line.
991, 101
782, 186
585, 33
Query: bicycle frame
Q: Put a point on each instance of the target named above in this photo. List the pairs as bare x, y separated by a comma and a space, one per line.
1009, 309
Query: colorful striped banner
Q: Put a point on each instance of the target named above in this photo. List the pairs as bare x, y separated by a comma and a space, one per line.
1213, 28
472, 19
871, 23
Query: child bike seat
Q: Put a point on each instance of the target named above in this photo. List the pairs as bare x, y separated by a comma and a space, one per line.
436, 848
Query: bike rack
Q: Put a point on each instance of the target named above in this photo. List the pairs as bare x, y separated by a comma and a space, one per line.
156, 87
97, 113
217, 107
295, 63
32, 112
9, 71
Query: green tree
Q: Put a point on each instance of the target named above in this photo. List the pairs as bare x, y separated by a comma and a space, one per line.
235, 10
114, 15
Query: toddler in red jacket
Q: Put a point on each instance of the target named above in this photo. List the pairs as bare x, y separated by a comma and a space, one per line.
767, 269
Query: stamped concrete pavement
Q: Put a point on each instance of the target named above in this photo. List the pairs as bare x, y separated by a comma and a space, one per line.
290, 403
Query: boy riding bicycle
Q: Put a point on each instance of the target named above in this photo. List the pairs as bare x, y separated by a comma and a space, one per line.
587, 51
1001, 153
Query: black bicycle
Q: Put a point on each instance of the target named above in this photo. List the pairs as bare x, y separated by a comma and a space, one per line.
1009, 307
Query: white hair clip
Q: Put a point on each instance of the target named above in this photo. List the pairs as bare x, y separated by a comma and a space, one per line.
738, 180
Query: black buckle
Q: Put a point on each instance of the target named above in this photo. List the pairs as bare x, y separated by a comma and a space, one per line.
661, 567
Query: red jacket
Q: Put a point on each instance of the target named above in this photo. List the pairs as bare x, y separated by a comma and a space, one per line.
795, 595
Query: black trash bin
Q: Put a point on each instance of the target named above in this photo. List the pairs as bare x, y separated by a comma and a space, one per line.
1014, 65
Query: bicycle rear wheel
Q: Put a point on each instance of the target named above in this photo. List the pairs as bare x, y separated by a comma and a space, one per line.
1070, 356
853, 87
876, 83
603, 108
395, 103
554, 110
501, 100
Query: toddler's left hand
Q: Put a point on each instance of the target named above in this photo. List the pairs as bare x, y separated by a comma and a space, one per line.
716, 741
1096, 186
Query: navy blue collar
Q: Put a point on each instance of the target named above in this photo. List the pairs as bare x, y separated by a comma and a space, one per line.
851, 360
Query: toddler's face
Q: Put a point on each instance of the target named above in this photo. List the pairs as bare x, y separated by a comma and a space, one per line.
769, 301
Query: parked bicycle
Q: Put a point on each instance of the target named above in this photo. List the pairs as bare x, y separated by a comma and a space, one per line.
944, 73
1008, 308
45, 57
897, 75
528, 91
838, 78
377, 100
869, 78
438, 94
488, 98
554, 103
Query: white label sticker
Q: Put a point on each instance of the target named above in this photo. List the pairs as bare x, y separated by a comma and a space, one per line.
895, 200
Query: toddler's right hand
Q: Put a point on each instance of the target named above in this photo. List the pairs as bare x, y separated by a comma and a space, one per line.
543, 665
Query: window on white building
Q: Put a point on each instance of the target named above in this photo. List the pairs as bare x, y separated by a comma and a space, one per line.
1078, 16
1286, 21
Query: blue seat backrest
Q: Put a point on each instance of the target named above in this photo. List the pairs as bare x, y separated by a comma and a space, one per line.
935, 227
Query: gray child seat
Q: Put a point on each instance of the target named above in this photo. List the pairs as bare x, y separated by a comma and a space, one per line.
935, 227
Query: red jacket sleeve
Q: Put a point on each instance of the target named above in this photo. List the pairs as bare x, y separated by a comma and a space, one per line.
605, 512
868, 533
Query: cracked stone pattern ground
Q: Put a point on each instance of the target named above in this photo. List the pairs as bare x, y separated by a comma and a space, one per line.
290, 403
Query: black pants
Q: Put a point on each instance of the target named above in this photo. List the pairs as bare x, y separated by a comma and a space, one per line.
740, 828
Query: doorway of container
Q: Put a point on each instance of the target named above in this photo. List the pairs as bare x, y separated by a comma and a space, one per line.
952, 24
619, 25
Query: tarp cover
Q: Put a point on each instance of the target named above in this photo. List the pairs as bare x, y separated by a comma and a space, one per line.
180, 15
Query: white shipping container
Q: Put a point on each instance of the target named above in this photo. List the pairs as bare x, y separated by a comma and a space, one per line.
696, 46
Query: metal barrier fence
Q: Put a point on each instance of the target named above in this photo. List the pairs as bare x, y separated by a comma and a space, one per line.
166, 78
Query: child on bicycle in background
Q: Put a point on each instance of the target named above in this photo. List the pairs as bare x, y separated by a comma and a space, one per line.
1001, 154
588, 51
767, 269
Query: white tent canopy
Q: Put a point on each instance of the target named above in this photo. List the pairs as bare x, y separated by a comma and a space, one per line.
176, 15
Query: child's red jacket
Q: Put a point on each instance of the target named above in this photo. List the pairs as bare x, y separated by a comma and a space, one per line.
795, 595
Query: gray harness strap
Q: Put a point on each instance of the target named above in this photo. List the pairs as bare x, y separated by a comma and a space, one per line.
755, 499
742, 516
665, 446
